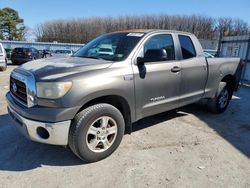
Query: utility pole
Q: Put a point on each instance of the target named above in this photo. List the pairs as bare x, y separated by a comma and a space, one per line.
218, 53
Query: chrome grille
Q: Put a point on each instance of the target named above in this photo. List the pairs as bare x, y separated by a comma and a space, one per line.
18, 89
23, 87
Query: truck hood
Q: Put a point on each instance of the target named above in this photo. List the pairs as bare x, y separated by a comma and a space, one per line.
54, 68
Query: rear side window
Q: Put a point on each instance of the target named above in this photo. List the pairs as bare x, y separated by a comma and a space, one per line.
1, 51
187, 47
21, 50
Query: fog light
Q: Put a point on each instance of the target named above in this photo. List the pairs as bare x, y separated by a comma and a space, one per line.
42, 132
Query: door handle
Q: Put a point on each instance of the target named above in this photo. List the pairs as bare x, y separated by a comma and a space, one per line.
176, 69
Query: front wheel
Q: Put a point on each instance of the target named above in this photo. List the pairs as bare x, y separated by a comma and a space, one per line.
220, 102
96, 132
4, 67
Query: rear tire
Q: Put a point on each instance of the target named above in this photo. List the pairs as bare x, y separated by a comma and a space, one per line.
220, 102
96, 132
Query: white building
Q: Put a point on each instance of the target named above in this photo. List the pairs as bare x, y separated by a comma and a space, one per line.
41, 45
238, 46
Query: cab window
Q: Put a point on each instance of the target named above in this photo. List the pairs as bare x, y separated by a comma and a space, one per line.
187, 47
163, 41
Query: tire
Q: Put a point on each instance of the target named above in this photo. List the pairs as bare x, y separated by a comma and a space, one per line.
220, 102
88, 140
5, 67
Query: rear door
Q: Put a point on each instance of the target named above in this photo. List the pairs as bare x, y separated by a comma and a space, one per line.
193, 72
158, 89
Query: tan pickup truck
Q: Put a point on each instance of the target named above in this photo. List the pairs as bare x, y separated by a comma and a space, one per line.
89, 99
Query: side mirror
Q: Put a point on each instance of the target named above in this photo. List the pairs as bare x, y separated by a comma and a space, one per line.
140, 61
153, 55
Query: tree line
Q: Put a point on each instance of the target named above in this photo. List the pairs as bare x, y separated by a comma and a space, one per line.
82, 30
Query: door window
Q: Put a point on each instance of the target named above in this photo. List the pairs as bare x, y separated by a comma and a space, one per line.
187, 47
163, 41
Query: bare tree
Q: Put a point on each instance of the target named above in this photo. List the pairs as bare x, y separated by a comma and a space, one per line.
82, 30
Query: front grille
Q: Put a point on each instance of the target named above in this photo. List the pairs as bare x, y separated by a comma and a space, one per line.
18, 89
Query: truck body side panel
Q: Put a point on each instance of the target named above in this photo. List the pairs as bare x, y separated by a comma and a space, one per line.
218, 69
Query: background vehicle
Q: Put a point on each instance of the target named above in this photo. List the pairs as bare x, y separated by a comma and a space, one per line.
3, 58
62, 53
23, 55
8, 53
211, 52
208, 55
105, 50
88, 100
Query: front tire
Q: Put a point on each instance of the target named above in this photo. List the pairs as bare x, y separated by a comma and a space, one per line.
4, 67
220, 102
96, 132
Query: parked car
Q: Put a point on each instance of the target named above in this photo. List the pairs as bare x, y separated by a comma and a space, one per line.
211, 52
88, 101
62, 53
8, 53
23, 55
105, 50
3, 58
208, 55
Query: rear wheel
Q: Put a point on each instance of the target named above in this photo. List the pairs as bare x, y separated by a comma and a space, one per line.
221, 100
96, 132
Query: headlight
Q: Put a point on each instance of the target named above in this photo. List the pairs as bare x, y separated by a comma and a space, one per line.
52, 90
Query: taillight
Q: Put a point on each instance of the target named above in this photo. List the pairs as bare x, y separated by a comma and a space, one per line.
242, 64
28, 54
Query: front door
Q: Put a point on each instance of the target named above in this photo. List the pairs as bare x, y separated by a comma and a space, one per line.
157, 85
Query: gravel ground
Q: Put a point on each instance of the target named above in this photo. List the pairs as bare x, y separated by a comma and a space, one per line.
187, 148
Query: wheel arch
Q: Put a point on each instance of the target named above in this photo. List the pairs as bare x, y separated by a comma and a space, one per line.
117, 101
230, 80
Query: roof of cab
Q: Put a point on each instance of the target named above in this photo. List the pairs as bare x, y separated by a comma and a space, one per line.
146, 31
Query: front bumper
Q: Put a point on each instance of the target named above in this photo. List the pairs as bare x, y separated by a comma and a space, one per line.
48, 133
41, 113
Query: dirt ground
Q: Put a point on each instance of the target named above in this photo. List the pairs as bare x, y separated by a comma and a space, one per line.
187, 148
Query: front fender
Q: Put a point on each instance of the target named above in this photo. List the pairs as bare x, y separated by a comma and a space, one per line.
112, 92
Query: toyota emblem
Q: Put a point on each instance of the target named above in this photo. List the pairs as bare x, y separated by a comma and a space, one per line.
14, 87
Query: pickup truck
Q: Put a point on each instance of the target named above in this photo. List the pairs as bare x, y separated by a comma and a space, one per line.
89, 100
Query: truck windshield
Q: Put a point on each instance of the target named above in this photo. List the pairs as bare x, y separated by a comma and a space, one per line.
112, 47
